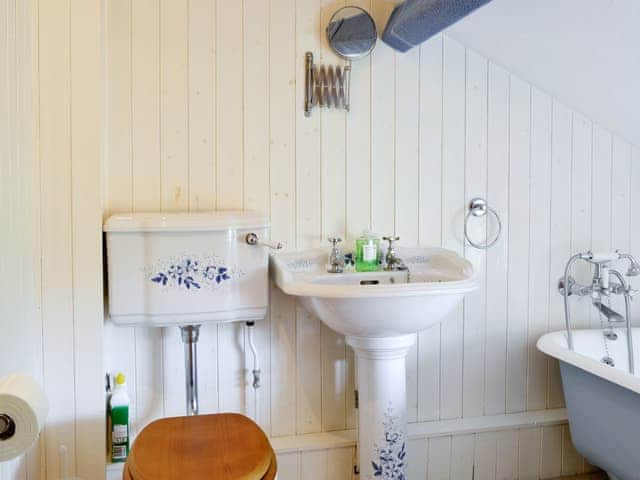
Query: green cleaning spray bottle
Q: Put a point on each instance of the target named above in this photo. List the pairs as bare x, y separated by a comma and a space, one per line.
119, 420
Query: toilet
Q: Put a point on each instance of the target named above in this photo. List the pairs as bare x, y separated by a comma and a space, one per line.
225, 446
182, 270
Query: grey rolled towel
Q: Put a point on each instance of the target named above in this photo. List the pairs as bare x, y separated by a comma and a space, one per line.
415, 21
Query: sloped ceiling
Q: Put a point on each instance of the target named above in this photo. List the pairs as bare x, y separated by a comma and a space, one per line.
586, 53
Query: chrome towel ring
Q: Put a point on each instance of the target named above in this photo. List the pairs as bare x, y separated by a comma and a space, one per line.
479, 207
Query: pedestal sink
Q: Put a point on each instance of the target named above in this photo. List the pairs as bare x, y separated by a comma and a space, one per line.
380, 314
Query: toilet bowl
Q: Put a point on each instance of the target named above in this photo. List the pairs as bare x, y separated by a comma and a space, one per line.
224, 446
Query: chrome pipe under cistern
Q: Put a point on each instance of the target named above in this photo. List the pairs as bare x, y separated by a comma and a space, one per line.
190, 334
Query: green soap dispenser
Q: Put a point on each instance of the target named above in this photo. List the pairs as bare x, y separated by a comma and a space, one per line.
367, 252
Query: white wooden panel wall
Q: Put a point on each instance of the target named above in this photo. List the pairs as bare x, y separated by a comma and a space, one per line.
69, 72
204, 110
20, 319
198, 117
50, 90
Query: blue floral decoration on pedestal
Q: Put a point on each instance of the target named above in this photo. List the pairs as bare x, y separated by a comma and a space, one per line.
390, 462
190, 275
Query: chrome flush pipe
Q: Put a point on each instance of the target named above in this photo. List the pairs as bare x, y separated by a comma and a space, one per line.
190, 334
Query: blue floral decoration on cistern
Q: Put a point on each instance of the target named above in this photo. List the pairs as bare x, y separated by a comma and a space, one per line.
191, 275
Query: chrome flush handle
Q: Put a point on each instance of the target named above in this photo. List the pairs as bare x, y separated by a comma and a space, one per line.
252, 239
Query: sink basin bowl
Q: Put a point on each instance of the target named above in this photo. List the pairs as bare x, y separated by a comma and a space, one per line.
377, 304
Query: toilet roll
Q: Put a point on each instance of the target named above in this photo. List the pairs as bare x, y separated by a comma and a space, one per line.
23, 410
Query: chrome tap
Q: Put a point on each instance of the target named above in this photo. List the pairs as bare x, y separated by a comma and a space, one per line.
610, 314
336, 258
602, 287
600, 283
392, 262
634, 266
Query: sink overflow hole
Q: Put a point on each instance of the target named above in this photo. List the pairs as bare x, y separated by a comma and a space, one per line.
369, 282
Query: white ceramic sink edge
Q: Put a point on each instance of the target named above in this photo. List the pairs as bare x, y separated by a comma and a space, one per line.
378, 304
433, 271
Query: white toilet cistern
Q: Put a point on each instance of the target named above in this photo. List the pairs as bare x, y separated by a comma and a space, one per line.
184, 270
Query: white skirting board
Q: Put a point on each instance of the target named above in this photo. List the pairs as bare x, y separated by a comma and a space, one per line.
334, 447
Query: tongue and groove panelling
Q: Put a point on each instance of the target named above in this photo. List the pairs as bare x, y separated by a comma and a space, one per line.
204, 110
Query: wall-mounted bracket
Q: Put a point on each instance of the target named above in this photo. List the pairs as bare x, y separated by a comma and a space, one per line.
326, 86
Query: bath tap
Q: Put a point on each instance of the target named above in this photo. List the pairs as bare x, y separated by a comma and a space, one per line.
634, 266
600, 284
608, 312
601, 287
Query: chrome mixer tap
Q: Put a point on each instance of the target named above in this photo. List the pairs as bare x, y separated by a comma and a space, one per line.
601, 286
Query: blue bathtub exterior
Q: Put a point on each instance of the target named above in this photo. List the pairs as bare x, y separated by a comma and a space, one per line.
604, 419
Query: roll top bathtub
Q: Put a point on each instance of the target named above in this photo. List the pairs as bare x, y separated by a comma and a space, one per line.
602, 397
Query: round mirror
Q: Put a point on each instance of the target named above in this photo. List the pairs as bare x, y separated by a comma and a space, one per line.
352, 33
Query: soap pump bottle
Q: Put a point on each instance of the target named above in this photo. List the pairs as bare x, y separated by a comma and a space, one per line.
119, 420
367, 252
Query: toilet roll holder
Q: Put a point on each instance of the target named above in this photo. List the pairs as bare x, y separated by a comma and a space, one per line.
7, 427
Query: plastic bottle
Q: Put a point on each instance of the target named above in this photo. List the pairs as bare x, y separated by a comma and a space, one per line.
367, 252
119, 420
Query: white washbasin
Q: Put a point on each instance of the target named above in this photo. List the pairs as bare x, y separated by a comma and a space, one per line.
377, 304
380, 314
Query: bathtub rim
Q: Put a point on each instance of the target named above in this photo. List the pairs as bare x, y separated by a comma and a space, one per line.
555, 344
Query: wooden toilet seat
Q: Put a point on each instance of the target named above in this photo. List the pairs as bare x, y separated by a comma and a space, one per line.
225, 446
270, 475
